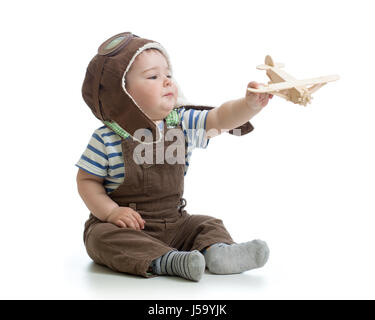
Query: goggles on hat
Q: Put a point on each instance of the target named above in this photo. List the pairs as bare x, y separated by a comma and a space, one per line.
116, 43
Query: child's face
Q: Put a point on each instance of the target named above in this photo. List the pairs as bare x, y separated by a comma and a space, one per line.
149, 87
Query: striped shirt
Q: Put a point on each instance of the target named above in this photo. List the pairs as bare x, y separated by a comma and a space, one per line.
103, 154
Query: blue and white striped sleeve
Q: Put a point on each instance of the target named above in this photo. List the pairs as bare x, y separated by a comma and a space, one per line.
94, 159
193, 123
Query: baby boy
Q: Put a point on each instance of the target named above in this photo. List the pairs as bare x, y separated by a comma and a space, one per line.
137, 223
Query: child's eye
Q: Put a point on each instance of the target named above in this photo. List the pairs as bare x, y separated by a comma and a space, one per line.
154, 77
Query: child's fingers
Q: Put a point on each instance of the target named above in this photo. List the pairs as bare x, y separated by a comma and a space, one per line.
121, 224
253, 84
263, 97
138, 219
131, 223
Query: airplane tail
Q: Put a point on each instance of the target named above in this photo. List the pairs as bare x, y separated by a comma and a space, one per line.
269, 64
268, 61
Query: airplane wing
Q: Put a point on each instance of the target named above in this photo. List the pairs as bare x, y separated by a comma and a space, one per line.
274, 87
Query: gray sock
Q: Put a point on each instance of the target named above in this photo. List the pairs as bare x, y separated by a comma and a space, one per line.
186, 264
236, 258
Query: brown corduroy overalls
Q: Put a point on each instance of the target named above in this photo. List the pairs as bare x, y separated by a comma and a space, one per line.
155, 191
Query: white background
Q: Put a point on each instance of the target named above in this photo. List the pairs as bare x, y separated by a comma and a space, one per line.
303, 180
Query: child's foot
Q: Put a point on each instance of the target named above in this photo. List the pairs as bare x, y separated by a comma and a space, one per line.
186, 264
236, 258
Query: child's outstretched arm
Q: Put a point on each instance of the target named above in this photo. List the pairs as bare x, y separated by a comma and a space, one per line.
93, 194
234, 113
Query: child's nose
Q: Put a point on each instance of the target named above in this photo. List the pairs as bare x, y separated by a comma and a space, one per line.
167, 81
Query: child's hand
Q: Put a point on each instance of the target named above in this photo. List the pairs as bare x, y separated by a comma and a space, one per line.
256, 101
126, 217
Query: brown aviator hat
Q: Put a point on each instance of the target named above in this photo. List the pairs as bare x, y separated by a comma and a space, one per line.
104, 85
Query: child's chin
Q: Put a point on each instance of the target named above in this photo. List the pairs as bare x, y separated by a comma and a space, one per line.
168, 109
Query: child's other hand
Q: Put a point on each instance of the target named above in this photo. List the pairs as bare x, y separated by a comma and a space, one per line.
257, 101
126, 217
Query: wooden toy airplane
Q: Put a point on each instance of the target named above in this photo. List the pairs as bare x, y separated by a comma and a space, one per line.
285, 86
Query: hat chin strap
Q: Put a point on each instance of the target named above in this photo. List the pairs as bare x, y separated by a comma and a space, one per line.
171, 120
